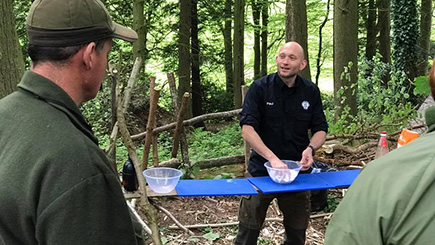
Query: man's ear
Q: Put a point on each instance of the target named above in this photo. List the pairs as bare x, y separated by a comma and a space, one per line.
88, 55
303, 65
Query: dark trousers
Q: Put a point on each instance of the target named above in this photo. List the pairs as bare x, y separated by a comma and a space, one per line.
295, 207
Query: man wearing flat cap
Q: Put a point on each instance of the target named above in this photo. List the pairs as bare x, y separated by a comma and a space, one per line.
57, 186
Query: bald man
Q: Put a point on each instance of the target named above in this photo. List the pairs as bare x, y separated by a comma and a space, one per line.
278, 112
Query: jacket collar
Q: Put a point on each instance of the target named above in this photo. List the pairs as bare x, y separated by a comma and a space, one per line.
430, 118
47, 91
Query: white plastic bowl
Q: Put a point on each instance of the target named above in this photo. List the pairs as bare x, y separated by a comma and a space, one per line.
162, 180
284, 176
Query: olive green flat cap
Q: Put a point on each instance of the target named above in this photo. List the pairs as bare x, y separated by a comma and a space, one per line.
62, 23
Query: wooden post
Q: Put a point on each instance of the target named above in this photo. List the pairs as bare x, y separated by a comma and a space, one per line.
177, 133
175, 106
247, 148
154, 97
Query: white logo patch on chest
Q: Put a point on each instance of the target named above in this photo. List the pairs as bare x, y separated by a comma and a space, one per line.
305, 105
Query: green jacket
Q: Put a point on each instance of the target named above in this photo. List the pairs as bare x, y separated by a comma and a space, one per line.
393, 199
57, 186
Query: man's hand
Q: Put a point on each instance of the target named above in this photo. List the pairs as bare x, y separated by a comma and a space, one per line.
276, 163
307, 159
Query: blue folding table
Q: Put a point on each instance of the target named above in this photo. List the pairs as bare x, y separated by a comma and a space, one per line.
249, 186
215, 187
304, 182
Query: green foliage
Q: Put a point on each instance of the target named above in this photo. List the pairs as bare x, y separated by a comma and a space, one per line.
193, 239
379, 103
264, 241
210, 235
216, 98
422, 86
333, 202
164, 240
205, 144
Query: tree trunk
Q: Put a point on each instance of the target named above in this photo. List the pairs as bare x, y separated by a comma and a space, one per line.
371, 31
296, 29
405, 38
228, 42
264, 29
184, 50
384, 34
256, 10
11, 58
139, 27
345, 54
239, 26
319, 52
196, 78
424, 41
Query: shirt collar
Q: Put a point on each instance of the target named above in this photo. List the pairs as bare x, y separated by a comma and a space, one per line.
281, 83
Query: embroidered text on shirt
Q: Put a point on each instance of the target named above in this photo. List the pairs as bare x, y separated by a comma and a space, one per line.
269, 103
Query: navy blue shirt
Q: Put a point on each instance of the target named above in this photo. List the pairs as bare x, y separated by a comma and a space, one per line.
282, 117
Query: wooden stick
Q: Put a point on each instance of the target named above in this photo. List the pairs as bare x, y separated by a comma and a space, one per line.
173, 219
176, 107
191, 121
247, 148
144, 225
155, 151
151, 117
178, 127
273, 219
149, 210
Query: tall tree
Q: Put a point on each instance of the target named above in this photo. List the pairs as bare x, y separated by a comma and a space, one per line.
384, 34
256, 10
345, 28
405, 36
296, 28
319, 52
239, 27
228, 43
184, 50
264, 30
139, 26
424, 41
371, 30
11, 58
196, 78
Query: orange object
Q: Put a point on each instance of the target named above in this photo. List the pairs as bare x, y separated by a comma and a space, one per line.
406, 136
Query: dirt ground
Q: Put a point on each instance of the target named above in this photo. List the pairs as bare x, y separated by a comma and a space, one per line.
223, 211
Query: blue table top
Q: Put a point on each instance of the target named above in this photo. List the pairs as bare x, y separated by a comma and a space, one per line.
215, 187
324, 180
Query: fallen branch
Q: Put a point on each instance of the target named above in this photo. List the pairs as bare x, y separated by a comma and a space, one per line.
191, 121
179, 225
273, 219
217, 162
348, 149
172, 163
133, 210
